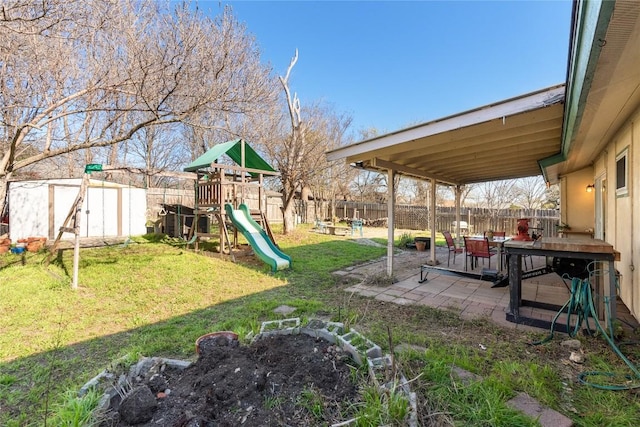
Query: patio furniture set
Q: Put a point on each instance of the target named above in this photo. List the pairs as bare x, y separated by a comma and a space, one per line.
477, 247
599, 255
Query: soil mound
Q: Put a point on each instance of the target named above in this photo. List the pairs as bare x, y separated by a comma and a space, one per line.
290, 380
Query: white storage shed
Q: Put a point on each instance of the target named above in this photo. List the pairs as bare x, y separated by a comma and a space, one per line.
39, 208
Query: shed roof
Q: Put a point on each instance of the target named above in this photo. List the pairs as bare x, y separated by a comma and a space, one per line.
234, 150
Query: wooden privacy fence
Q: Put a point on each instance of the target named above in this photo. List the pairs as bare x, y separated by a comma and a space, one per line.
156, 197
477, 220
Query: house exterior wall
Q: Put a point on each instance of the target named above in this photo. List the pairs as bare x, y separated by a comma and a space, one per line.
622, 211
576, 204
39, 208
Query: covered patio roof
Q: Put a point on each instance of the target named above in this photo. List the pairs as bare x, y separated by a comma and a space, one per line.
503, 140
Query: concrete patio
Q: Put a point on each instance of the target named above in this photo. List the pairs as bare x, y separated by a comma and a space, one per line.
460, 291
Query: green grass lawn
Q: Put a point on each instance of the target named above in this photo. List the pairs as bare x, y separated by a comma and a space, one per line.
154, 299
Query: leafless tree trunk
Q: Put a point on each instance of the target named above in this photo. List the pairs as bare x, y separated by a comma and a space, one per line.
293, 153
328, 131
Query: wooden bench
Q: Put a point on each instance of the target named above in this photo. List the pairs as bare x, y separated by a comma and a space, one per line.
333, 228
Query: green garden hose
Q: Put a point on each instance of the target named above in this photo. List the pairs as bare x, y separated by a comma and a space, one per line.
581, 304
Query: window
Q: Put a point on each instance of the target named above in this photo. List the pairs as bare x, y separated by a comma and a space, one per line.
621, 173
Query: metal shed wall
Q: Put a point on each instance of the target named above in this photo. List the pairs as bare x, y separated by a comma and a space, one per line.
38, 208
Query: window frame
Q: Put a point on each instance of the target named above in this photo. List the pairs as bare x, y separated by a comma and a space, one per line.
622, 190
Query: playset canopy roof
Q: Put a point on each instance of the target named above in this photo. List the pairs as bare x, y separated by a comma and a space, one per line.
233, 149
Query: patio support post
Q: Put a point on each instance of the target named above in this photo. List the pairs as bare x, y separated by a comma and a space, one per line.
391, 208
432, 218
458, 195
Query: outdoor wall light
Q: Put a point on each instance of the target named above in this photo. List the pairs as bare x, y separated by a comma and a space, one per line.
590, 188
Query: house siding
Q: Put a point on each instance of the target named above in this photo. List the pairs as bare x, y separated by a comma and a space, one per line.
576, 205
622, 212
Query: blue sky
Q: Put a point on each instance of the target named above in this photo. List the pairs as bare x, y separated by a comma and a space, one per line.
392, 64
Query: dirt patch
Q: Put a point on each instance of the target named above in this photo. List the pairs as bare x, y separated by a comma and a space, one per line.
276, 381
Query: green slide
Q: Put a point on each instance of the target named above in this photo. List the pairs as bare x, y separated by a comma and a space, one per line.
257, 238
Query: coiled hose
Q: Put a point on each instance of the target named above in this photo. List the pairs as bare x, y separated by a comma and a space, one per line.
581, 304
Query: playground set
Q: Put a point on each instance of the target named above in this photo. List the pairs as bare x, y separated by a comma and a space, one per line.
222, 192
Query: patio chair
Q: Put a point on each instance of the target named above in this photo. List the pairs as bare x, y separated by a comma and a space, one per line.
479, 248
499, 235
452, 247
356, 225
469, 246
483, 250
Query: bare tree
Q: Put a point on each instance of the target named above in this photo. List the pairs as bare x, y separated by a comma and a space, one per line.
296, 149
155, 149
324, 178
422, 193
465, 191
291, 153
531, 192
552, 197
496, 195
77, 76
369, 186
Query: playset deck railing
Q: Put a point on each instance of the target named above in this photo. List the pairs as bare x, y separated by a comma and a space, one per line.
229, 184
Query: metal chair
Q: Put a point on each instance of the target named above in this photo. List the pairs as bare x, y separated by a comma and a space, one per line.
469, 246
451, 244
499, 235
356, 225
478, 248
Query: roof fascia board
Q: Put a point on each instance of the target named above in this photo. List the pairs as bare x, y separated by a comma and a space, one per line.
591, 26
590, 23
490, 112
550, 161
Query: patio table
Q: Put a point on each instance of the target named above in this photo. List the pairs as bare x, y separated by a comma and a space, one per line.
579, 248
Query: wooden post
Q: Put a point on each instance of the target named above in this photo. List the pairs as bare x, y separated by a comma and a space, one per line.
221, 212
391, 208
261, 193
458, 219
73, 215
78, 205
432, 225
242, 171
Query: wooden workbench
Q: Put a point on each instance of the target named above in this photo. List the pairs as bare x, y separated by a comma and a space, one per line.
577, 248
